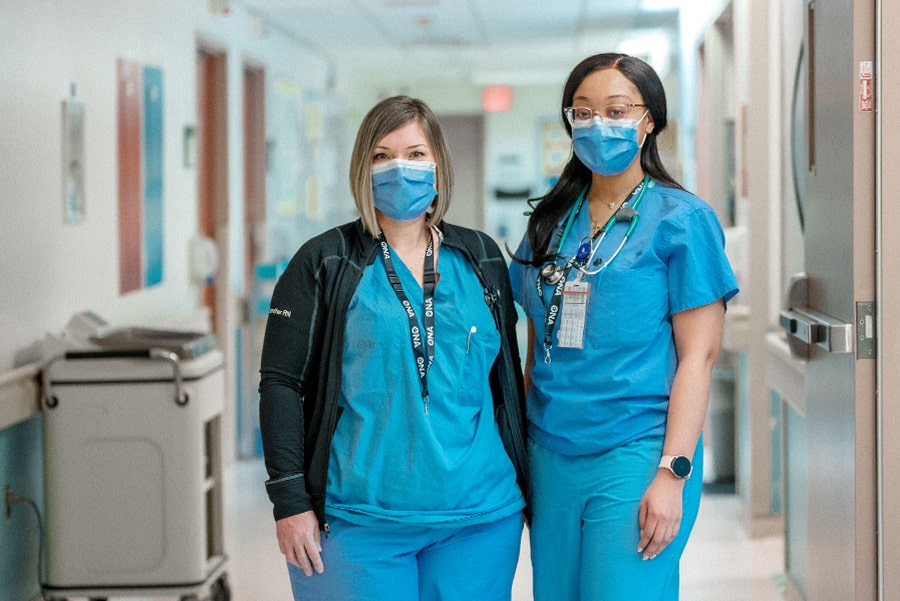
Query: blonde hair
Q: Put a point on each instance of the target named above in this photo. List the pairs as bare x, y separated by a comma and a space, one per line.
383, 118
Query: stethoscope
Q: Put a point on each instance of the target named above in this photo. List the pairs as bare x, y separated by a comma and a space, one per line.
583, 258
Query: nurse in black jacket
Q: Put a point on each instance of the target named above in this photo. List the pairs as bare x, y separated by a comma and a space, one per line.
391, 399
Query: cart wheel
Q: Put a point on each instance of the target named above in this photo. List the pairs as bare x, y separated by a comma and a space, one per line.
220, 591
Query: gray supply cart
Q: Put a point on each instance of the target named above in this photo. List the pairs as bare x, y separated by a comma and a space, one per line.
133, 468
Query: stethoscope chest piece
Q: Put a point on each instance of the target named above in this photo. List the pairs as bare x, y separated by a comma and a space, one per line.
552, 273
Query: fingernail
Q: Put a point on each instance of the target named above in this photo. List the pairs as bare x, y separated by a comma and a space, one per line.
640, 549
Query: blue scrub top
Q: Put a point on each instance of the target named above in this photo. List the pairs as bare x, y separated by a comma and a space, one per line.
616, 389
391, 461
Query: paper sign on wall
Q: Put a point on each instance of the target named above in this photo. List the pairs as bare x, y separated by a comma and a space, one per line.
866, 103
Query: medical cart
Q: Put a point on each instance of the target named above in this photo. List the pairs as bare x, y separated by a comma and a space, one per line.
133, 468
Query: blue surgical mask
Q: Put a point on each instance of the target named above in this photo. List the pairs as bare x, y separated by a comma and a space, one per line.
403, 190
607, 147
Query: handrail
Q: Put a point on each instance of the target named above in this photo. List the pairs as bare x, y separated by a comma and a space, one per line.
20, 391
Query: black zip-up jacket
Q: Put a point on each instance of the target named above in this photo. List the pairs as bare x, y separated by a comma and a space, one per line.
301, 359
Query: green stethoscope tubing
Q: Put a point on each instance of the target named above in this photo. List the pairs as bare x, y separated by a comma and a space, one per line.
611, 222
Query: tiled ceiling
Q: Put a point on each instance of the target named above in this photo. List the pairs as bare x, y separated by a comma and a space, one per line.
488, 39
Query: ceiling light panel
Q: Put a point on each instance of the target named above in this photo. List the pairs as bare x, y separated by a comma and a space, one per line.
319, 24
416, 22
594, 9
527, 21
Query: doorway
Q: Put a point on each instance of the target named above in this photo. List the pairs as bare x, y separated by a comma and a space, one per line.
829, 421
465, 137
212, 210
212, 124
251, 328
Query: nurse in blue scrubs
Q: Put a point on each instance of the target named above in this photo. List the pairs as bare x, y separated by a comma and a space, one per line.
391, 393
624, 280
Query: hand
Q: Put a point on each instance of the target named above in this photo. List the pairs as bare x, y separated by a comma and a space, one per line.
659, 516
300, 541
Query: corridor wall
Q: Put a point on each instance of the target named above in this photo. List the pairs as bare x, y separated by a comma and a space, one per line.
51, 267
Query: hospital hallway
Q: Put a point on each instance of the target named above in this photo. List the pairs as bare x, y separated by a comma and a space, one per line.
163, 161
721, 562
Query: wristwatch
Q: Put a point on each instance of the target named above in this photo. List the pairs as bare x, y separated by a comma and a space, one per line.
679, 465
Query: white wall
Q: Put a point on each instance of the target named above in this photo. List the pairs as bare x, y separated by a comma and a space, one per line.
50, 269
696, 18
516, 134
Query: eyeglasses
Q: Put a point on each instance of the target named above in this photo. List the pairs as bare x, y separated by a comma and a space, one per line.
610, 112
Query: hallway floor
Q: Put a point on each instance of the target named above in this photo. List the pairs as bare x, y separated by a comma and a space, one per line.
720, 562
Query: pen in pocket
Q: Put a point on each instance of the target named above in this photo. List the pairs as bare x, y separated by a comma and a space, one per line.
472, 330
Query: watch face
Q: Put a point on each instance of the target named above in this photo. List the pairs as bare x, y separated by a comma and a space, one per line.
681, 465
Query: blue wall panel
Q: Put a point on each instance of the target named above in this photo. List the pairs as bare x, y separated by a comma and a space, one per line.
21, 461
153, 175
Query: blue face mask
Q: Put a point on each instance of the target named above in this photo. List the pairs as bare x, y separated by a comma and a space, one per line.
403, 190
607, 148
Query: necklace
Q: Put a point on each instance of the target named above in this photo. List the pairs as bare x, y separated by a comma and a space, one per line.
554, 273
612, 203
596, 224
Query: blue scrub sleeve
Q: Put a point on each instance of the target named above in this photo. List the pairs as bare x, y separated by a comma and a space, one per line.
517, 271
699, 272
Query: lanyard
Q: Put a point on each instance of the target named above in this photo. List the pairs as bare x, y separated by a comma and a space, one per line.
553, 309
424, 354
552, 314
627, 211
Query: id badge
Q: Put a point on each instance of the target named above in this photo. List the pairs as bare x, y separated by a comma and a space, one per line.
574, 309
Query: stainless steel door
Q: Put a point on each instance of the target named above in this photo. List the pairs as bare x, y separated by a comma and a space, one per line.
828, 318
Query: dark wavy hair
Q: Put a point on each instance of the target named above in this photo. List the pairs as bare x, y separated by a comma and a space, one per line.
550, 208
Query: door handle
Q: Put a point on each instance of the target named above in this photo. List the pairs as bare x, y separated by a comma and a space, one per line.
812, 327
806, 327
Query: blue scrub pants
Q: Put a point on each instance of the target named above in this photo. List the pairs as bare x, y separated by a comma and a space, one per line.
411, 562
584, 530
